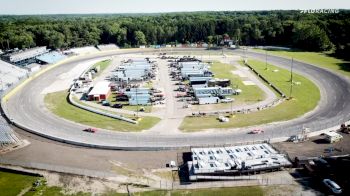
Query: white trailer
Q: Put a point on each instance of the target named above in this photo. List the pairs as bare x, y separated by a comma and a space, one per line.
208, 100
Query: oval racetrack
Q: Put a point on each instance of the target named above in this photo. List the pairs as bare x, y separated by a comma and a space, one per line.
27, 109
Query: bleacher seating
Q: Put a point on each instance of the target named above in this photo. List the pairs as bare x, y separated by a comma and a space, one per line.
7, 135
107, 47
26, 54
10, 74
51, 57
84, 50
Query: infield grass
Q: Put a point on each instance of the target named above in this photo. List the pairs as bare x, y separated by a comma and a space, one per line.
58, 104
305, 98
103, 65
250, 93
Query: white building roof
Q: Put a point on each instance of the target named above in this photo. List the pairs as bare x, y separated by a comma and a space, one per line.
248, 157
27, 54
332, 134
100, 88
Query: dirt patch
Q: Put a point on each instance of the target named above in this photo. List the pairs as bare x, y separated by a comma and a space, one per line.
315, 146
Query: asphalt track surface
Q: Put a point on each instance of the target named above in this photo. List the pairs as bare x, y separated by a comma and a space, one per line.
27, 109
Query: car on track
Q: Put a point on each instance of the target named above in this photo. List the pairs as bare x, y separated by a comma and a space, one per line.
90, 130
256, 131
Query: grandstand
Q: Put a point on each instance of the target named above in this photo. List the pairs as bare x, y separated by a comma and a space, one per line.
10, 74
8, 137
25, 56
82, 50
107, 47
51, 57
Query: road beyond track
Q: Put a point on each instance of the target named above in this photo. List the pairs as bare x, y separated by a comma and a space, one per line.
26, 108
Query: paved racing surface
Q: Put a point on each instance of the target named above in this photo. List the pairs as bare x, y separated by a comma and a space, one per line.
27, 109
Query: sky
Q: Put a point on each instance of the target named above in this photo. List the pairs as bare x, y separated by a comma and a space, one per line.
18, 7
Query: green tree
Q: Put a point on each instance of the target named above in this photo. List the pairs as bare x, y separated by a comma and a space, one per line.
140, 38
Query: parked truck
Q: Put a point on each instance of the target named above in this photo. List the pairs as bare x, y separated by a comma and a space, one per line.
345, 128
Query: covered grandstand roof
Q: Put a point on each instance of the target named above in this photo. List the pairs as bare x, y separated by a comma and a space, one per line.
83, 50
26, 54
246, 157
51, 57
106, 47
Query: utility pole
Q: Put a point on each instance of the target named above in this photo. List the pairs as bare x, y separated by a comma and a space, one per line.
232, 102
265, 59
291, 79
137, 104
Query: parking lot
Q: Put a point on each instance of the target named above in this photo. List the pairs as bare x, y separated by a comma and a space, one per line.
312, 170
316, 146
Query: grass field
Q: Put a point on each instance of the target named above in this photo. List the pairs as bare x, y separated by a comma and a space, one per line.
317, 58
20, 184
249, 95
13, 184
305, 98
103, 65
57, 103
236, 191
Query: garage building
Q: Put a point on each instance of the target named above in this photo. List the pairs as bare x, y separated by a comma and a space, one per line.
100, 91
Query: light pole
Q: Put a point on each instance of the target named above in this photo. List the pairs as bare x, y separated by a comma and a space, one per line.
137, 105
291, 79
265, 59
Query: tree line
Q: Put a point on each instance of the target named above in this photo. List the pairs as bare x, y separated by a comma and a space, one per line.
311, 32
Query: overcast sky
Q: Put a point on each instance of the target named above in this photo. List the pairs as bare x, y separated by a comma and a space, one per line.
153, 6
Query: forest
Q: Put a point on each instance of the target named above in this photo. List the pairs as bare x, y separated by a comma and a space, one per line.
305, 31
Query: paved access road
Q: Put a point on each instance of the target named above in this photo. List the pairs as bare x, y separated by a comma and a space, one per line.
27, 108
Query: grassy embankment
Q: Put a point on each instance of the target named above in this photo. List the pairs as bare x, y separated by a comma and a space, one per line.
305, 98
321, 59
20, 184
14, 184
57, 103
103, 65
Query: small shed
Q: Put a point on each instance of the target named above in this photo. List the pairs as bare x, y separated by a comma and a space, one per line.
34, 67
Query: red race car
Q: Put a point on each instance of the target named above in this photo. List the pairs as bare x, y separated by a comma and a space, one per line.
256, 131
90, 130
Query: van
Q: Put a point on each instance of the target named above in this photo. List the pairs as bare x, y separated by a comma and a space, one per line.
334, 187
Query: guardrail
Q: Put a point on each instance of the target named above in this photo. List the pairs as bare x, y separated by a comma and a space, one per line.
96, 111
265, 80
